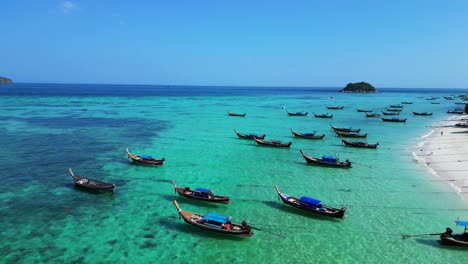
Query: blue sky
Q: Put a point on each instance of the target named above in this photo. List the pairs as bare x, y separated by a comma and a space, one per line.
262, 43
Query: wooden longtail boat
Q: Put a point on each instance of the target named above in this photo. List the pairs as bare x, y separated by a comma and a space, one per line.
394, 119
326, 161
273, 143
310, 205
250, 135
372, 115
145, 159
449, 239
323, 116
407, 102
460, 103
390, 113
235, 114
449, 98
215, 222
359, 144
296, 113
394, 109
396, 106
201, 194
345, 129
458, 112
363, 110
91, 184
422, 113
350, 134
435, 102
335, 107
307, 135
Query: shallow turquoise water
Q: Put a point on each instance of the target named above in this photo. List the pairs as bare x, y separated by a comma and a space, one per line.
45, 219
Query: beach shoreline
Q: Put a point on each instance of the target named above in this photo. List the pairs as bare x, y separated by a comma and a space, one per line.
444, 152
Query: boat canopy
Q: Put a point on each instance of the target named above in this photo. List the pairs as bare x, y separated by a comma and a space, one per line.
462, 223
331, 159
310, 200
146, 157
216, 218
203, 190
309, 134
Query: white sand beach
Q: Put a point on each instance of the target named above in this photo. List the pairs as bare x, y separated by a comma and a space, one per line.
445, 153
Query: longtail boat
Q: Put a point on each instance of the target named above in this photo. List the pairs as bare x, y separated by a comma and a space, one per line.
363, 110
359, 144
326, 161
335, 107
461, 125
458, 112
145, 159
250, 135
323, 115
350, 134
390, 113
235, 114
215, 222
91, 184
296, 113
273, 143
312, 135
460, 103
407, 102
345, 129
422, 113
310, 205
372, 115
435, 102
396, 106
449, 98
449, 239
201, 194
394, 119
394, 109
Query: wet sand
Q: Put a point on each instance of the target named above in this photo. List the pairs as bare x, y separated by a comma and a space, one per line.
444, 152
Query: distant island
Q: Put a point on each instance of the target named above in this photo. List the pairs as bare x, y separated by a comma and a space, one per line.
359, 87
4, 80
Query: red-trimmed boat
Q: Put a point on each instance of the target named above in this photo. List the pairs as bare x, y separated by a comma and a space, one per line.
250, 135
201, 194
310, 205
273, 143
144, 159
296, 113
351, 134
346, 129
323, 115
335, 107
359, 144
91, 184
312, 135
235, 114
394, 119
460, 240
326, 161
215, 222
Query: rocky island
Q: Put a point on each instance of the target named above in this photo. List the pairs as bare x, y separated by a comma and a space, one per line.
4, 80
359, 87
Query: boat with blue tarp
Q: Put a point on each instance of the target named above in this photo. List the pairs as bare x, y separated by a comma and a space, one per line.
326, 161
145, 159
249, 135
215, 222
450, 239
312, 135
310, 205
202, 194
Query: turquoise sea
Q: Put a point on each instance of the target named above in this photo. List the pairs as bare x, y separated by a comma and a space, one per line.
47, 128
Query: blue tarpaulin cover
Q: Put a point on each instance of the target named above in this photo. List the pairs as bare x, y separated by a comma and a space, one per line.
216, 218
330, 159
310, 200
462, 223
203, 190
146, 157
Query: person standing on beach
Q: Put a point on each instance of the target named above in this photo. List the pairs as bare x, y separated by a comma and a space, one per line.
441, 133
